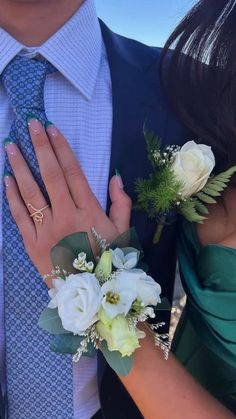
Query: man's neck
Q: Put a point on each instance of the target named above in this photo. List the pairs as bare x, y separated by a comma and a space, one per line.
32, 22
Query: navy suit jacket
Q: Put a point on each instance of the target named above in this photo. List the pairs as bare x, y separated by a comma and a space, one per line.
137, 96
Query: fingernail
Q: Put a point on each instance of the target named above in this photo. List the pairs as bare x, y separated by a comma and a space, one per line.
7, 141
7, 177
119, 179
51, 129
34, 125
10, 148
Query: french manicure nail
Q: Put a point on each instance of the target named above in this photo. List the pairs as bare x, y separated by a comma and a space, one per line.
7, 141
34, 125
10, 148
51, 129
119, 179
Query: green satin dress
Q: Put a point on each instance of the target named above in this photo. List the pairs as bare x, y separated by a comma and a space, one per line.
205, 340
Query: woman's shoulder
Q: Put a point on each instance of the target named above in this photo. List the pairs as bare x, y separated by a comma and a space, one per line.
221, 222
212, 246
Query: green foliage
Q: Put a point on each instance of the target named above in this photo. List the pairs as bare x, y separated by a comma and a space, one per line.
189, 211
50, 321
153, 145
217, 184
158, 193
194, 209
201, 208
67, 249
121, 365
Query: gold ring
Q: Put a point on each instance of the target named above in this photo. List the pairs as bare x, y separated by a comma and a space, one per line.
37, 214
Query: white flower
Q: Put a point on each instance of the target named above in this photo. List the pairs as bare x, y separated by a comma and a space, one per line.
126, 287
147, 290
81, 264
79, 300
192, 166
118, 296
57, 283
122, 261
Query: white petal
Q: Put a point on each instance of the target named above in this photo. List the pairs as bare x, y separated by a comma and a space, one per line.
131, 260
118, 258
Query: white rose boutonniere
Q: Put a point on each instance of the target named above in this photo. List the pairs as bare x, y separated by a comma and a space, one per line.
181, 182
192, 166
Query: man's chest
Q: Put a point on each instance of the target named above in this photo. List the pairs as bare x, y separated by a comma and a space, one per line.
86, 124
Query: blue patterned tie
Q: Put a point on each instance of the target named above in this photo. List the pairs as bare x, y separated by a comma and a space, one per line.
39, 382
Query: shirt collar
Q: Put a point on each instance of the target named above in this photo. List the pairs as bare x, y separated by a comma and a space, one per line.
75, 50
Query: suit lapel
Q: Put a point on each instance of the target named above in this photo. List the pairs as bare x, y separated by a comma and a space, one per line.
134, 99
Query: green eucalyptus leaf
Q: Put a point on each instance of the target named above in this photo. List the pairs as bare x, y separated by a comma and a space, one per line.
69, 344
121, 365
50, 321
66, 344
128, 238
67, 249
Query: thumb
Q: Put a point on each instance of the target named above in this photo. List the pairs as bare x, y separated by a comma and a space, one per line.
121, 204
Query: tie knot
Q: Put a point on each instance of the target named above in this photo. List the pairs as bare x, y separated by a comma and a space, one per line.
24, 80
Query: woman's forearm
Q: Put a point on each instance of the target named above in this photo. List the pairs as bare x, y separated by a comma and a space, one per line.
165, 390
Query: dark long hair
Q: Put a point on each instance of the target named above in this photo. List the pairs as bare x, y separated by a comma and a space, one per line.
200, 75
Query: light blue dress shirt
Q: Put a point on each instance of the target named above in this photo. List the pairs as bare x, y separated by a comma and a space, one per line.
78, 99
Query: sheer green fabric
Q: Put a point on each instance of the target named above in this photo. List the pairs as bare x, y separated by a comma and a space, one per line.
205, 340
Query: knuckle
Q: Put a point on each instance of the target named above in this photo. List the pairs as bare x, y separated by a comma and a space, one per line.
127, 201
41, 141
28, 191
72, 171
53, 175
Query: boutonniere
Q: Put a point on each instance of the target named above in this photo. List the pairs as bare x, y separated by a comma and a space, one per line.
181, 182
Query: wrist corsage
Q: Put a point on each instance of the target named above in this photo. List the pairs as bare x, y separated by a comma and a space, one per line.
98, 303
181, 182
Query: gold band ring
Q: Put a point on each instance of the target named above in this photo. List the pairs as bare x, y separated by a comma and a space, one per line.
37, 214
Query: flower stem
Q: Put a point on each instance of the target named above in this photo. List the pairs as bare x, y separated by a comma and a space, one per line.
159, 229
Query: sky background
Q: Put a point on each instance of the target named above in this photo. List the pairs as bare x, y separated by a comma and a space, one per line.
149, 21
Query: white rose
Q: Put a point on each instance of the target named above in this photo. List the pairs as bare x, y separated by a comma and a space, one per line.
57, 284
78, 301
192, 166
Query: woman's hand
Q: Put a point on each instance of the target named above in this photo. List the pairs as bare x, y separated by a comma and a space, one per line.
73, 207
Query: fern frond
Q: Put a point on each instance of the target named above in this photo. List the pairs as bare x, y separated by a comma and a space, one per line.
219, 182
201, 208
188, 210
153, 145
212, 191
205, 198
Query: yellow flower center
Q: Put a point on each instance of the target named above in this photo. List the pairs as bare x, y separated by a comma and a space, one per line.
112, 298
